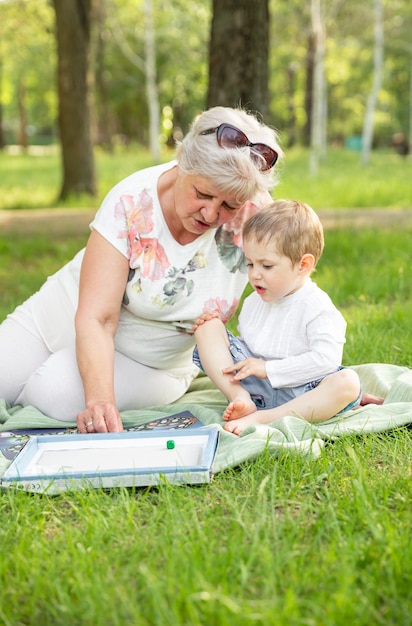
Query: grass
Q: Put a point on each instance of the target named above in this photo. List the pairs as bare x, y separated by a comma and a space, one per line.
279, 541
27, 260
33, 180
342, 181
30, 181
284, 541
365, 272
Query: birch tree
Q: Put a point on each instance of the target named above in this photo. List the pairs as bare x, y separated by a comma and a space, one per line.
147, 66
151, 84
367, 135
410, 108
318, 112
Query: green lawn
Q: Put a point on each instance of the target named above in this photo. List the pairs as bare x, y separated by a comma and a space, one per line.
33, 181
282, 541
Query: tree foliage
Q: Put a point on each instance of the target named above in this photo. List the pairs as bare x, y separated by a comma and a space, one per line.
28, 58
27, 69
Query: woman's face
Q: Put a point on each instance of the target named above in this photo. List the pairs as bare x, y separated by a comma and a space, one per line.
200, 206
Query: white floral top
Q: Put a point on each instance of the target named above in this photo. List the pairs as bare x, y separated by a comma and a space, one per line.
169, 284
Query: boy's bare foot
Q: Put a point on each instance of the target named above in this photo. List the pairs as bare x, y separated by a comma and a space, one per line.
237, 426
368, 398
239, 408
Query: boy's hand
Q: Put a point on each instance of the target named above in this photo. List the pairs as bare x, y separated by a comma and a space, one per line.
248, 367
205, 317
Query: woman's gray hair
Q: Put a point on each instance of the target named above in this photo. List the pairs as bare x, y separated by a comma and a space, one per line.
231, 169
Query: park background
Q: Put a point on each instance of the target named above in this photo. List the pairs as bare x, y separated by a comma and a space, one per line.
285, 540
109, 74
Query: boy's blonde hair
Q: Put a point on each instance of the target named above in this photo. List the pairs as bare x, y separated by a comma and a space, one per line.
292, 226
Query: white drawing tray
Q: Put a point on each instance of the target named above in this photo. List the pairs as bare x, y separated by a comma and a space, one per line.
56, 463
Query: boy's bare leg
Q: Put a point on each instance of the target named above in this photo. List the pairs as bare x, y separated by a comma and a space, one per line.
318, 405
213, 346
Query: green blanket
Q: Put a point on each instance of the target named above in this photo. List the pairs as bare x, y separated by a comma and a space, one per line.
291, 433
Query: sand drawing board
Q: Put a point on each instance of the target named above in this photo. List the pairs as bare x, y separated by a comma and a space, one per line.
68, 462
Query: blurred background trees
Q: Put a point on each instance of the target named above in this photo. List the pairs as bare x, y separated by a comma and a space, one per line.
239, 55
73, 28
154, 64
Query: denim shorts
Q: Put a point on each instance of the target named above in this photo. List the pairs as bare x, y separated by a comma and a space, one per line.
261, 391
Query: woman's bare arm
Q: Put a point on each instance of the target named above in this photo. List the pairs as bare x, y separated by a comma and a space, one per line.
102, 283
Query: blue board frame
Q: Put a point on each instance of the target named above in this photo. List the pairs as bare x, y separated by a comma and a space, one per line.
17, 473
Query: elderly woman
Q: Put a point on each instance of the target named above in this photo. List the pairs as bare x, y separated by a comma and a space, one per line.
111, 330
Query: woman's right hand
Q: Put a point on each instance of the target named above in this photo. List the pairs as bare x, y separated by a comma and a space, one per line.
102, 417
205, 317
103, 280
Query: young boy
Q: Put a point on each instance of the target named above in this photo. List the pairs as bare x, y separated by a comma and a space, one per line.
287, 360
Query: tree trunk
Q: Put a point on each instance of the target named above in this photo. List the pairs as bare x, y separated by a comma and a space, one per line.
151, 84
103, 126
148, 67
73, 42
238, 55
410, 109
310, 65
291, 124
318, 112
367, 135
2, 138
21, 98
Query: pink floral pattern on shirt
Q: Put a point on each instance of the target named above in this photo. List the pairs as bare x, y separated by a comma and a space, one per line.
235, 226
139, 221
222, 307
148, 258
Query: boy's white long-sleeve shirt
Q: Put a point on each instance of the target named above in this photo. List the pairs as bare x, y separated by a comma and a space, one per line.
301, 336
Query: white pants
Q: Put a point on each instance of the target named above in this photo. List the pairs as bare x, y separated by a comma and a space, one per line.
32, 375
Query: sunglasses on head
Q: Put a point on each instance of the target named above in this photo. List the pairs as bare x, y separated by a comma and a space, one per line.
231, 137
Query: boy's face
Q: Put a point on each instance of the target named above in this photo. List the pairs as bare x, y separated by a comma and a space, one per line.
271, 274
